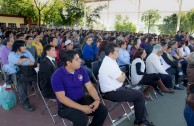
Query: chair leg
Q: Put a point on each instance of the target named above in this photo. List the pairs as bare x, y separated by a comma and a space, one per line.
125, 111
131, 107
63, 122
155, 94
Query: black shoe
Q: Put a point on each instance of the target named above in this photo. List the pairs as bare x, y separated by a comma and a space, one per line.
178, 87
143, 123
28, 107
159, 92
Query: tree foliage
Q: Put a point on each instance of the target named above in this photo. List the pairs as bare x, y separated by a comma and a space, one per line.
170, 23
150, 18
123, 25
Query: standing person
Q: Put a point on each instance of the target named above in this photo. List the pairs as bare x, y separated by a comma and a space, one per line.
47, 67
111, 80
67, 83
189, 107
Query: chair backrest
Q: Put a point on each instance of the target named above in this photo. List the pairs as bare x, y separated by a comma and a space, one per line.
95, 66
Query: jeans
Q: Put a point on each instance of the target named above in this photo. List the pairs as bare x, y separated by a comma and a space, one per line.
189, 115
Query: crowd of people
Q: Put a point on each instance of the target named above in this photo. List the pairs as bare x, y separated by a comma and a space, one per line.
64, 57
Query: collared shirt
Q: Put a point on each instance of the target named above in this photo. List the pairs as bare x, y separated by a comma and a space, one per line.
153, 65
71, 84
185, 51
108, 73
51, 59
123, 57
13, 59
4, 54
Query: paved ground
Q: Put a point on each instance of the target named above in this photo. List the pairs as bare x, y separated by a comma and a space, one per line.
165, 111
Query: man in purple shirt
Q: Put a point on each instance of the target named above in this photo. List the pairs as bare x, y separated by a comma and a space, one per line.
68, 84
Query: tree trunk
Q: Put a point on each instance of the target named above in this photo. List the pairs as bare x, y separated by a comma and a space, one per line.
39, 18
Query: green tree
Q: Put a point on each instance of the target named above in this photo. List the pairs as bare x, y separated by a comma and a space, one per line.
169, 25
150, 18
190, 19
123, 25
93, 15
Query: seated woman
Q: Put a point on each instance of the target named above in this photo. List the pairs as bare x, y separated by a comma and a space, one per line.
134, 48
89, 50
20, 56
138, 75
123, 57
184, 50
101, 51
189, 107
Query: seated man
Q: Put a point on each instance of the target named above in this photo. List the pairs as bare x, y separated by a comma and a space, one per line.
153, 65
68, 83
47, 67
20, 56
111, 80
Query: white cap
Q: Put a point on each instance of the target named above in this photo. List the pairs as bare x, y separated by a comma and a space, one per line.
68, 42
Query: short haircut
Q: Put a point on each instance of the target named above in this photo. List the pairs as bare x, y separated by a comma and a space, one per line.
27, 37
121, 43
8, 33
163, 43
50, 39
47, 48
110, 48
157, 48
17, 44
67, 56
19, 35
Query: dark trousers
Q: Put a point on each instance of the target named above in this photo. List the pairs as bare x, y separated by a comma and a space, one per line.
167, 80
129, 95
184, 64
79, 118
150, 79
21, 89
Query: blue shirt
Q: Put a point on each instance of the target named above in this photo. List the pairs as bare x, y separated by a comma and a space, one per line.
71, 84
123, 58
89, 51
13, 59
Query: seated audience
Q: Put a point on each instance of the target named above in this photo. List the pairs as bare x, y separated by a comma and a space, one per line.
124, 57
153, 65
89, 50
47, 67
20, 56
67, 83
111, 80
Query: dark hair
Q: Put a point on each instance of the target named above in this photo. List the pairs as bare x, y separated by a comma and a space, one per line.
8, 33
110, 48
67, 56
50, 39
27, 37
120, 43
163, 43
19, 35
182, 43
102, 46
138, 53
47, 48
17, 44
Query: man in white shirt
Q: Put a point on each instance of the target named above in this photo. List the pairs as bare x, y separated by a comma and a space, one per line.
153, 65
111, 80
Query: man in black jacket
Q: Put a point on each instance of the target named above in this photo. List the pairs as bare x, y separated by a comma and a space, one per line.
47, 67
171, 67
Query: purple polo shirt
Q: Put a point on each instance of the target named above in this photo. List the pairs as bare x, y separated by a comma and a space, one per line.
4, 54
71, 84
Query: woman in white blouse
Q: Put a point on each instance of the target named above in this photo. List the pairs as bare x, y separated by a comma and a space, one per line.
138, 75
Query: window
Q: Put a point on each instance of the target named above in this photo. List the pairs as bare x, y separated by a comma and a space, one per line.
11, 25
2, 25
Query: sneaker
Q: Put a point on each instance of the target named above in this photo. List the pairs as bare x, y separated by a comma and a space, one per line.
28, 107
178, 87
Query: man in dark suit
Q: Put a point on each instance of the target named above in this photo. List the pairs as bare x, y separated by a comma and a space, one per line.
47, 67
